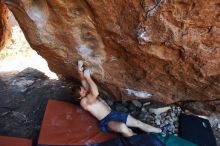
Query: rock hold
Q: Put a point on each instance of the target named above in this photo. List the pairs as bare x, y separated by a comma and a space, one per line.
159, 110
137, 103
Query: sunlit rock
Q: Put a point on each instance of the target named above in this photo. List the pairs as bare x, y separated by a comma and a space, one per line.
4, 26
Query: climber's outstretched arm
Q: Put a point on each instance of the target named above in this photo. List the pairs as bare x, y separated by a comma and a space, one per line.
93, 89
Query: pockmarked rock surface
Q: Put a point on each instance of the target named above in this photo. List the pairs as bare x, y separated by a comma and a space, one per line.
166, 49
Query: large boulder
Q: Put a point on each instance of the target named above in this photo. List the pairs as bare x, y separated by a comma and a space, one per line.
167, 48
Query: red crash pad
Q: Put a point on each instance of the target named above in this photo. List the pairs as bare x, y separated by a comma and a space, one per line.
14, 141
68, 124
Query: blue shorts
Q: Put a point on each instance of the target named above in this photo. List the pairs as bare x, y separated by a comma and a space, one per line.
113, 116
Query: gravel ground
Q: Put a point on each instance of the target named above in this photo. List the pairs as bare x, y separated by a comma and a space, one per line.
216, 131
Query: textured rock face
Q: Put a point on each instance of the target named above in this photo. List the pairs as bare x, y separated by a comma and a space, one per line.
168, 48
4, 26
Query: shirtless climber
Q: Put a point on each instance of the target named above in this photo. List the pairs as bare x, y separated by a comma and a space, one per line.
108, 120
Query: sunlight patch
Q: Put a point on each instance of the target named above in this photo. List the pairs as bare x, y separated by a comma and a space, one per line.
18, 55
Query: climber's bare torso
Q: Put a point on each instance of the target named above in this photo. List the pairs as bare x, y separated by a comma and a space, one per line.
97, 108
